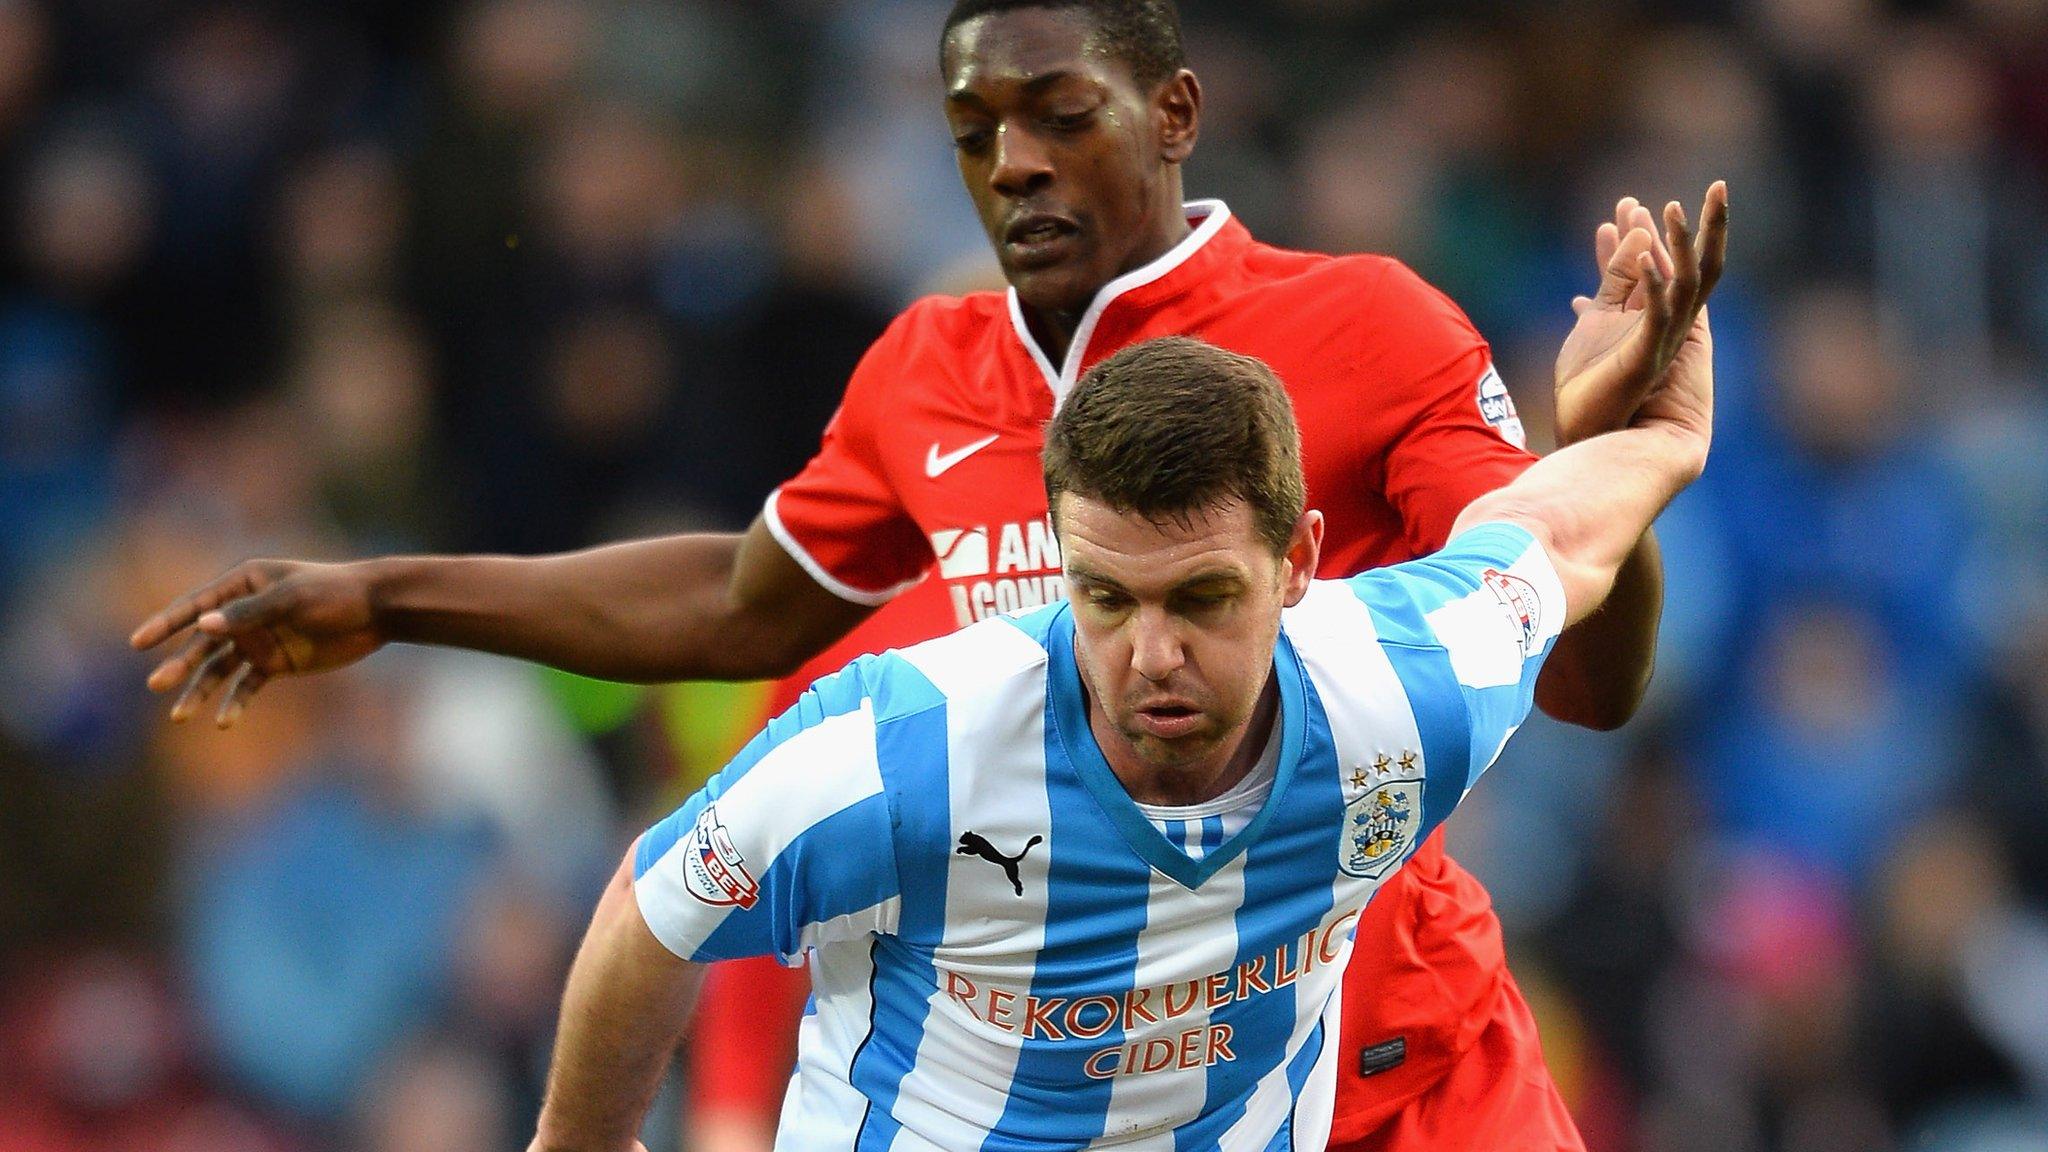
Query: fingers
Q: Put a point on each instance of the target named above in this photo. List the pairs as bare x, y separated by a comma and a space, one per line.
204, 679
213, 627
1661, 307
1625, 210
179, 668
1619, 281
236, 679
179, 614
1713, 238
235, 697
174, 618
1686, 265
1606, 239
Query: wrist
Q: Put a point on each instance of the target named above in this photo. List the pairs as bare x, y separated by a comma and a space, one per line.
391, 587
1683, 447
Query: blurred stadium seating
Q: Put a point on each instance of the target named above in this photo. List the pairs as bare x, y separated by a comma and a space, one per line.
519, 275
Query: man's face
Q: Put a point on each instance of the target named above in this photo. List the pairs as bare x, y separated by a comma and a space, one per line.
1069, 163
1174, 625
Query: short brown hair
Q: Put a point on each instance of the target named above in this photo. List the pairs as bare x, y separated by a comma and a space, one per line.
1173, 425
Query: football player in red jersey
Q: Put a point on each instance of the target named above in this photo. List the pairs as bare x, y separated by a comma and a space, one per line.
1071, 119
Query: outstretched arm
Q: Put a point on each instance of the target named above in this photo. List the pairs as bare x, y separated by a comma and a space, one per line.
673, 608
1600, 671
1589, 504
623, 1013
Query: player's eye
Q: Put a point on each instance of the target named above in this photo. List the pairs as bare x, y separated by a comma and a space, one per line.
1191, 603
1070, 121
971, 140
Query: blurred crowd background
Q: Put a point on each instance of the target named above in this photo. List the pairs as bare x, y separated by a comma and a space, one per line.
367, 275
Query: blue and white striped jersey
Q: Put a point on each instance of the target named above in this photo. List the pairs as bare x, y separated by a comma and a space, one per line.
1007, 955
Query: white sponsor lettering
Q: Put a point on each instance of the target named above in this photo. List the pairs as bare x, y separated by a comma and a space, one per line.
962, 552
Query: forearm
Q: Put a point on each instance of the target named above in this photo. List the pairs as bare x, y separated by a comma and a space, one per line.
672, 608
1591, 503
1599, 672
624, 1009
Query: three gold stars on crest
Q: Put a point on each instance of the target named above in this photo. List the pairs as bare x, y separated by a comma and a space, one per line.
1380, 765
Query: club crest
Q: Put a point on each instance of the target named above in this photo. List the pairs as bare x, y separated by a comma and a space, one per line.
1380, 826
713, 869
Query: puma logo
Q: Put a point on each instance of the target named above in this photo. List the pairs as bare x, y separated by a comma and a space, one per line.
972, 844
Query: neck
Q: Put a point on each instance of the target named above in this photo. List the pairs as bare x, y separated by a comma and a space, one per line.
1054, 330
1179, 785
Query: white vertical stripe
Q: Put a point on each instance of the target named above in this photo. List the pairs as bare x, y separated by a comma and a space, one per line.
822, 1110
993, 676
1362, 696
1185, 932
1316, 1110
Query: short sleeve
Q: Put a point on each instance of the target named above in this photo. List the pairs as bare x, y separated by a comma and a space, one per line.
1461, 437
789, 847
1467, 630
841, 518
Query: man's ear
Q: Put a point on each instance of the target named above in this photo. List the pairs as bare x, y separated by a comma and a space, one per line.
1304, 552
1178, 110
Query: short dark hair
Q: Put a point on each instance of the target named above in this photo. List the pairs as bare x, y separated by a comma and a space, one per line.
1145, 34
1173, 425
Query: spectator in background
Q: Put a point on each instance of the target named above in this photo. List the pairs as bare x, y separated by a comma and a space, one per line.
1838, 740
362, 382
1847, 504
1938, 192
255, 242
321, 929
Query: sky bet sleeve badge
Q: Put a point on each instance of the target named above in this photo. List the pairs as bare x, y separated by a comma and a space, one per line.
713, 869
1524, 607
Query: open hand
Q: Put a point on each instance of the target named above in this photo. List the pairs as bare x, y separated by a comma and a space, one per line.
259, 620
1648, 310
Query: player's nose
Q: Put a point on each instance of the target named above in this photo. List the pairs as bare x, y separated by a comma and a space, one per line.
1023, 164
1156, 649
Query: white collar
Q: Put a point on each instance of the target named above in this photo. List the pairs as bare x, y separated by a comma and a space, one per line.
1211, 214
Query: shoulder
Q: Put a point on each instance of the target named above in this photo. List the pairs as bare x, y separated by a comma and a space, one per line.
942, 325
997, 658
1362, 320
924, 345
1357, 275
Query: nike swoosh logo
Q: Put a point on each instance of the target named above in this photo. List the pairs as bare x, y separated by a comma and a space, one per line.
937, 464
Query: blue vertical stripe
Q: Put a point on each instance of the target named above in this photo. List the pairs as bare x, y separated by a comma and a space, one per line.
1095, 898
1212, 834
1289, 878
812, 881
1399, 601
911, 748
1298, 1070
1438, 702
1177, 831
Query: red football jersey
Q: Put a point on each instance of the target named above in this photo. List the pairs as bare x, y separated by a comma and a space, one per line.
928, 480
